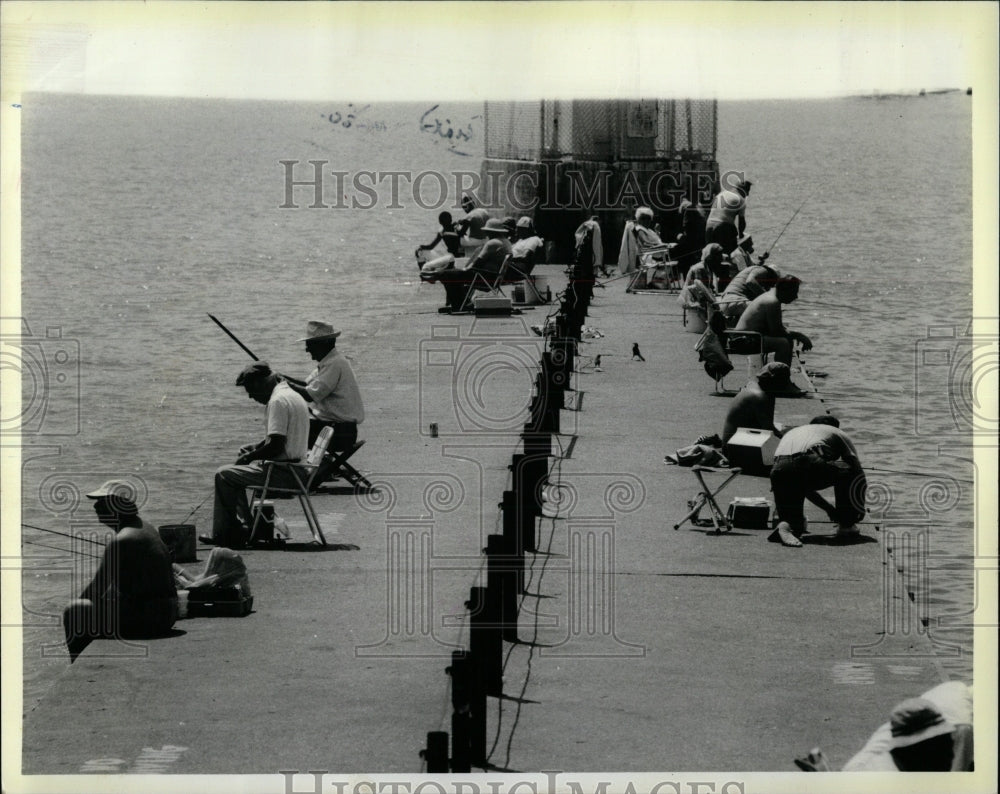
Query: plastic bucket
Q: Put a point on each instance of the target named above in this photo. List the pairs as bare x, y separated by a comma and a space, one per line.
180, 539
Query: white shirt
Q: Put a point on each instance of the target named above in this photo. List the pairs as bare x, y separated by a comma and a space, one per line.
287, 415
334, 390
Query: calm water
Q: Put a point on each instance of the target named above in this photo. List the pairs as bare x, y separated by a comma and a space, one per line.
142, 215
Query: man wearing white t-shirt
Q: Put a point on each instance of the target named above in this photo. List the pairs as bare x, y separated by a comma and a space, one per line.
287, 422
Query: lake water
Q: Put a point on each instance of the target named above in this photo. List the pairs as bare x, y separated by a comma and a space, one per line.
142, 215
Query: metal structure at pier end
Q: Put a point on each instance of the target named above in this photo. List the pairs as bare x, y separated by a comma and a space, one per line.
565, 160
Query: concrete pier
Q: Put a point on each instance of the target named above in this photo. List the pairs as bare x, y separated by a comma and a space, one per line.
640, 647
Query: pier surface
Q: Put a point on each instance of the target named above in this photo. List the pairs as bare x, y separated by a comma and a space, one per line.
640, 647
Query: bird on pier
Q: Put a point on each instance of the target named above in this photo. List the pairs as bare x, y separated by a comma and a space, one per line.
635, 352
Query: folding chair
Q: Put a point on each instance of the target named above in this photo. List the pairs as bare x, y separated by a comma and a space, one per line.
337, 465
650, 259
745, 343
706, 496
488, 282
303, 474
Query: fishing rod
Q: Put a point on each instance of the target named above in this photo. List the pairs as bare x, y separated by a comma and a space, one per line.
921, 474
64, 534
64, 551
200, 505
248, 351
767, 253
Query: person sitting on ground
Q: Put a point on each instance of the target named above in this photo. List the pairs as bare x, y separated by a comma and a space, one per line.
763, 315
931, 733
132, 594
749, 283
331, 389
638, 236
808, 459
753, 407
528, 249
486, 263
287, 421
727, 220
448, 235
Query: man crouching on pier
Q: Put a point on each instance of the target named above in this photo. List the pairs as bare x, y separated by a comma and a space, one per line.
809, 458
287, 422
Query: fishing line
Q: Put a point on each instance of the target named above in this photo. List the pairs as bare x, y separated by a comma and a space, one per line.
200, 505
64, 551
785, 227
64, 534
806, 301
921, 474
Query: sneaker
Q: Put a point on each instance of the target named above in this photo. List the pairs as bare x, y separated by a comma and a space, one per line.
784, 535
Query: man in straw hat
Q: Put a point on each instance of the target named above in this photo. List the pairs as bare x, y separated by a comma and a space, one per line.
486, 263
132, 594
331, 389
287, 421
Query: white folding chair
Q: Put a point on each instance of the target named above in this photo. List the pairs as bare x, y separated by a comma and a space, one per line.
302, 474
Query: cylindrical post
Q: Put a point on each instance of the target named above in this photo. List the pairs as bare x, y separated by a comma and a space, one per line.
501, 583
513, 534
485, 644
436, 754
461, 717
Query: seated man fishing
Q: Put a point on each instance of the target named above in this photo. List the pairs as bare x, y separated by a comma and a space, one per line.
749, 283
287, 421
486, 263
808, 459
132, 594
528, 248
763, 315
331, 388
449, 235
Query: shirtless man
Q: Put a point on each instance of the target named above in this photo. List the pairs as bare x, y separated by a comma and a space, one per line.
763, 315
132, 594
753, 407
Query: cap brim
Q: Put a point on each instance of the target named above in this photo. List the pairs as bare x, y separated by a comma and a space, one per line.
319, 338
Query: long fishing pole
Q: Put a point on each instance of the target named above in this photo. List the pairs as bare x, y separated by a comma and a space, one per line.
64, 551
767, 253
248, 351
64, 534
200, 504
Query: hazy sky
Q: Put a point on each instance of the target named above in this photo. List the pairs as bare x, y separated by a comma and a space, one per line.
469, 51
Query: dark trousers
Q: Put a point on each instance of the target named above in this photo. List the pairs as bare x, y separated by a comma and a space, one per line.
724, 234
794, 476
344, 433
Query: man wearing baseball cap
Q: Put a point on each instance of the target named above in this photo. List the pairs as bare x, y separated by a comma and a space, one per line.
132, 594
331, 389
287, 420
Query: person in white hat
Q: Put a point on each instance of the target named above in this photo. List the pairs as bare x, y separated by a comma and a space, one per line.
486, 262
331, 389
132, 594
287, 422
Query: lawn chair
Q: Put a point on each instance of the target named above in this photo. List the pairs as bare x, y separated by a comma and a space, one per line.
336, 465
746, 343
648, 260
304, 476
488, 283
